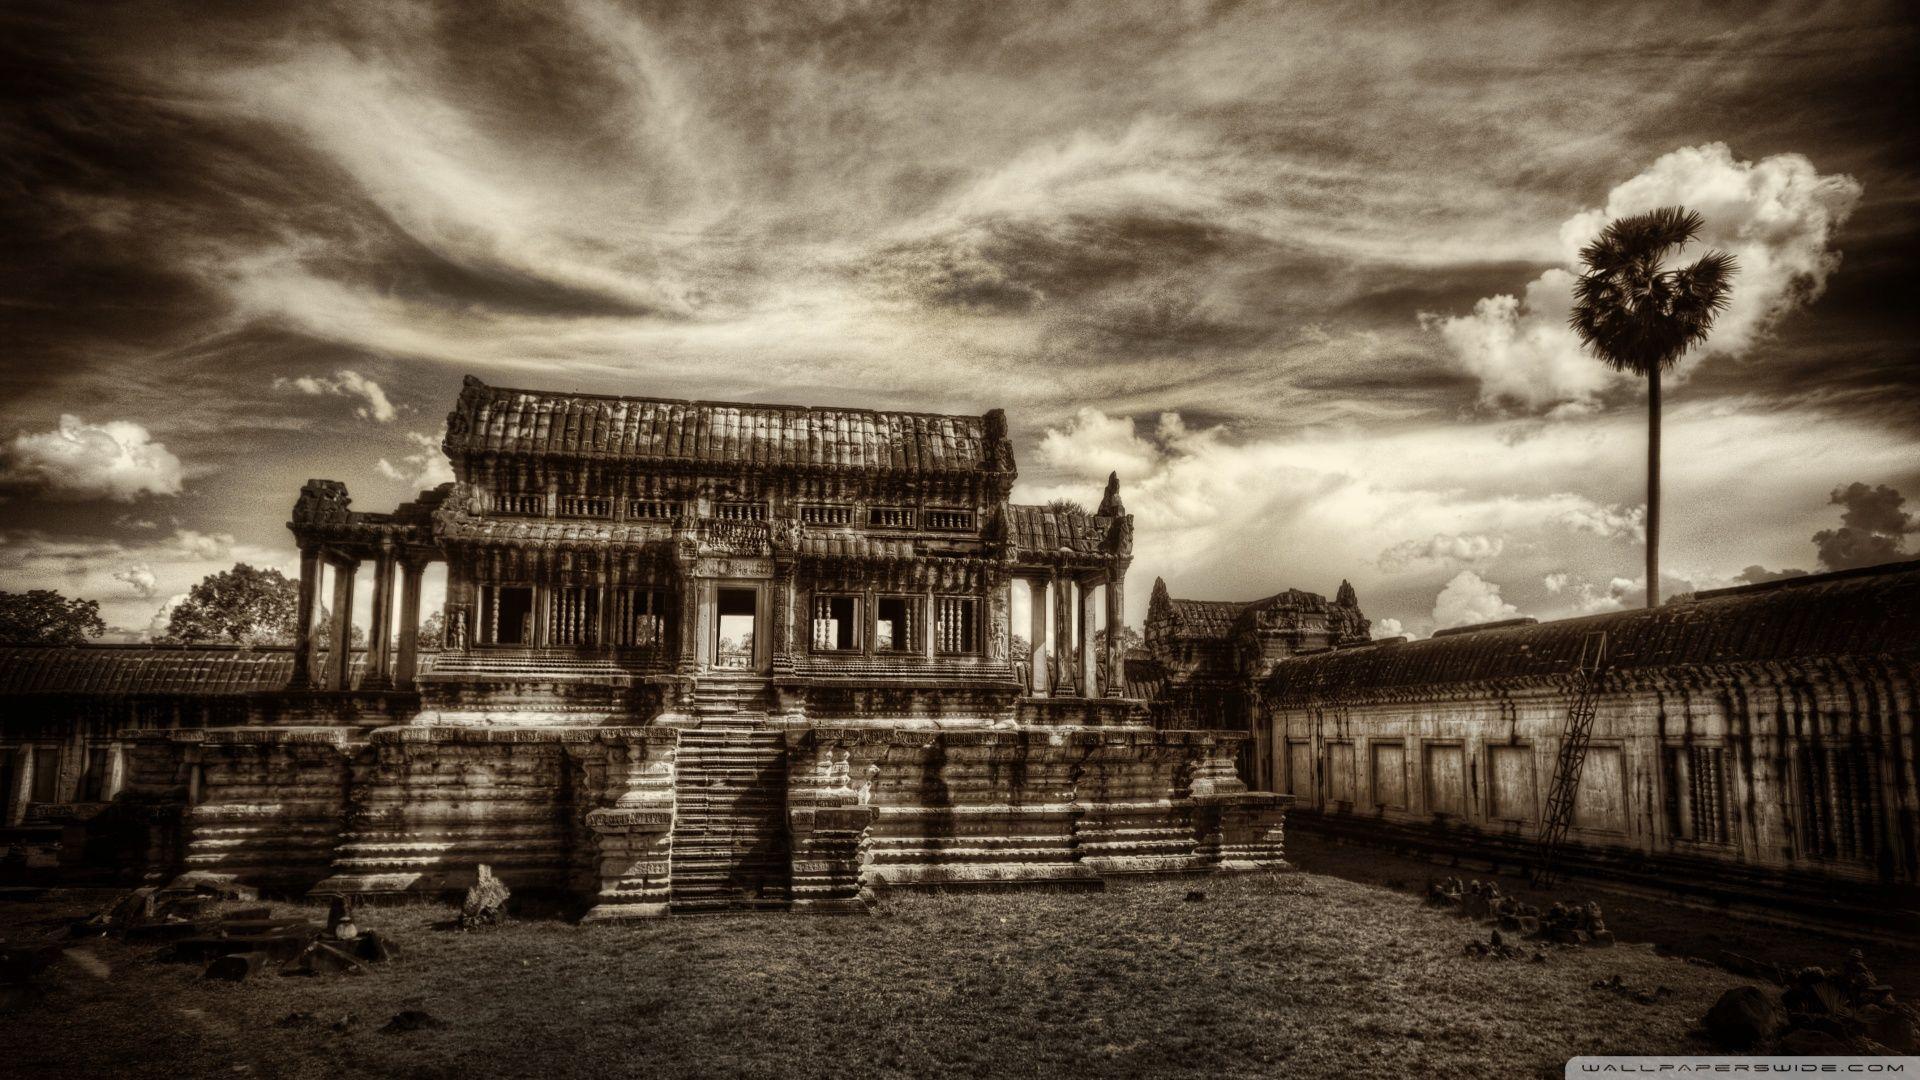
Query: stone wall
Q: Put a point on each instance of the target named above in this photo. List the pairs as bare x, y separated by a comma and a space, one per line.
1784, 779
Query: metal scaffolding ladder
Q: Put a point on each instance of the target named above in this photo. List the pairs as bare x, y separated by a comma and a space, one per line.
1573, 755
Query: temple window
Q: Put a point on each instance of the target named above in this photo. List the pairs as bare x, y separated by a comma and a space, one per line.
575, 616
740, 511
957, 624
46, 774
587, 506
519, 502
506, 615
893, 624
639, 617
653, 509
835, 623
890, 517
826, 515
950, 520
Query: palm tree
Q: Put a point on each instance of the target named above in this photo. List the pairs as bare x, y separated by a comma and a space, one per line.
1640, 317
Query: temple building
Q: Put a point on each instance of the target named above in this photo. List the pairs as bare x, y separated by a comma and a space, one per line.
696, 654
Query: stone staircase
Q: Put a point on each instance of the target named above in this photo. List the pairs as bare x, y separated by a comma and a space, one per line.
730, 846
730, 696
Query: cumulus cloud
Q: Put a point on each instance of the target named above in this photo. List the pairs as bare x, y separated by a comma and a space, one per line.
1872, 529
1756, 574
163, 617
191, 544
1469, 599
1608, 522
426, 467
1777, 216
1390, 628
78, 462
1620, 593
344, 383
1556, 583
1441, 549
139, 578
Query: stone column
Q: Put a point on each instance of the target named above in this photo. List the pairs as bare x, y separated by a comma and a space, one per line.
1089, 659
688, 618
308, 614
781, 636
340, 662
1061, 675
380, 629
13, 804
1116, 617
407, 665
1037, 630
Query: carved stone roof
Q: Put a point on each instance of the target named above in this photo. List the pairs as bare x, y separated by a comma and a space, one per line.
1852, 613
146, 669
493, 419
1205, 618
1047, 529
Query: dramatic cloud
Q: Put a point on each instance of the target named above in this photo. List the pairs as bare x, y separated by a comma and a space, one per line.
1777, 216
424, 468
1441, 550
138, 578
1468, 599
78, 461
345, 383
1873, 529
1186, 243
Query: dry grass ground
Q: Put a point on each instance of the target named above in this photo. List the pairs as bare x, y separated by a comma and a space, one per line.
1272, 975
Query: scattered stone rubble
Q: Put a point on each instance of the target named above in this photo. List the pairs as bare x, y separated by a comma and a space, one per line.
1848, 1012
239, 943
1481, 901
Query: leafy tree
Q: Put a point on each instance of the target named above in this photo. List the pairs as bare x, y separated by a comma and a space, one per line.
44, 617
433, 630
1640, 317
323, 633
1065, 506
243, 605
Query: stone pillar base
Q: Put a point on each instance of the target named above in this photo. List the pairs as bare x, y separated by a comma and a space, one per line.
829, 856
634, 863
1245, 831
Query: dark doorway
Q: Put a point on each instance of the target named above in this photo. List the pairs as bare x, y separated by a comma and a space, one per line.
516, 615
733, 634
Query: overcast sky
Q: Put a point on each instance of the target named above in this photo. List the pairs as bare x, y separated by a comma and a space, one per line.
1298, 272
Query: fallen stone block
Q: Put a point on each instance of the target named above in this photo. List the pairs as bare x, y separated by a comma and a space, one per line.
1743, 1018
279, 946
236, 967
320, 958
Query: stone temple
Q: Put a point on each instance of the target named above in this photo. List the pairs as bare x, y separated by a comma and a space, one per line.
696, 655
702, 655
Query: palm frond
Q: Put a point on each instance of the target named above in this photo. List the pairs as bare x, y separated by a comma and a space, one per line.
1640, 237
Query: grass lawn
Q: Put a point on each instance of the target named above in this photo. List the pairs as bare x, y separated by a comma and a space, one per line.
1285, 974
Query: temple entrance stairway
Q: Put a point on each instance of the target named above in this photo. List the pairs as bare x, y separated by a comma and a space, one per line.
730, 846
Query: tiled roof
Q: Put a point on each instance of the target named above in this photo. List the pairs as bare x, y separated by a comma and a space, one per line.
1854, 613
146, 669
502, 420
1046, 529
1206, 618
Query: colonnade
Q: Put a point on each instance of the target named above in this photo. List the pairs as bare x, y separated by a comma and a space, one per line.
1073, 627
388, 667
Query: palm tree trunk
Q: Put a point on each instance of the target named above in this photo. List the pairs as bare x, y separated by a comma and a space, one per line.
1653, 488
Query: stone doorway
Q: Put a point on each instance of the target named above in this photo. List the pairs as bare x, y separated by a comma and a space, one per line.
514, 625
735, 616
